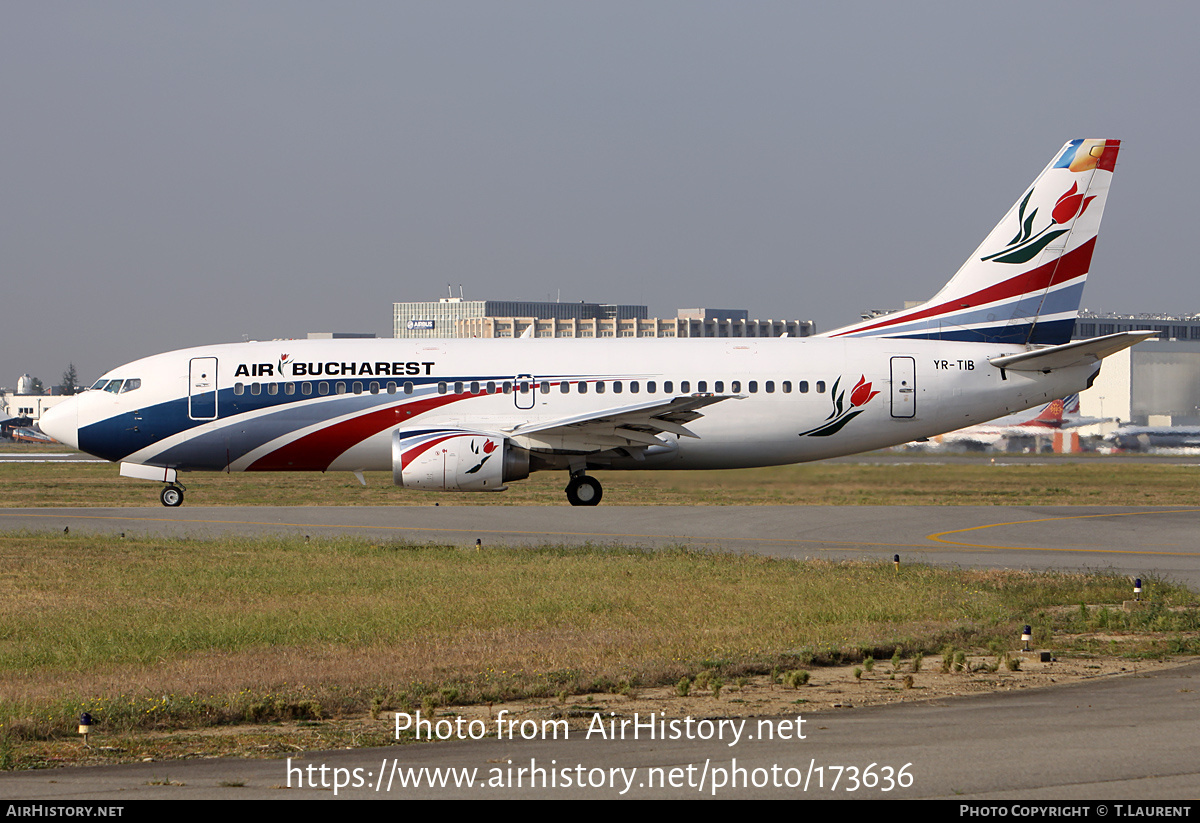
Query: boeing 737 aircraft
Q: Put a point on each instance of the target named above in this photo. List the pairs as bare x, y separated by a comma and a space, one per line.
472, 415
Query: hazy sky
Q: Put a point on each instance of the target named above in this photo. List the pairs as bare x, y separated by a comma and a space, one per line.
184, 173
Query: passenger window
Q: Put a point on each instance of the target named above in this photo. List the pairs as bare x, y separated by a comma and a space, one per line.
753, 386
787, 386
685, 386
770, 387
474, 387
491, 387
820, 385
616, 387
441, 388
323, 387
458, 387
633, 386
582, 387
719, 387
391, 387
272, 388
702, 386
804, 387
356, 387
306, 388
256, 388
735, 386
340, 387
239, 389
289, 388
599, 387
564, 386
668, 386
507, 386
651, 387
408, 387
374, 387
545, 387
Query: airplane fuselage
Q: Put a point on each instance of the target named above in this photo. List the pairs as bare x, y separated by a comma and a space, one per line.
333, 405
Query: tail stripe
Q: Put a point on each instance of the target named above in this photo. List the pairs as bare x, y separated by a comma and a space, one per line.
1002, 301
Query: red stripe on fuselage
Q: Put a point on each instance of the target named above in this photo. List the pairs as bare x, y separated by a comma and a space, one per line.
1069, 266
316, 450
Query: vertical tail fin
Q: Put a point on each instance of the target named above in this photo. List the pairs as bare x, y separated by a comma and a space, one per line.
1025, 282
1051, 416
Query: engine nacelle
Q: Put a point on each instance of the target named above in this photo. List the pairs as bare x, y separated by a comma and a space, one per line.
455, 460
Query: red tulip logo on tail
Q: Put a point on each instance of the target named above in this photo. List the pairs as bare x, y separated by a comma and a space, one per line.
1026, 245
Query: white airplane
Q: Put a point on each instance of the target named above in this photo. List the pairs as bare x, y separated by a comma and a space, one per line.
472, 415
1040, 422
1149, 438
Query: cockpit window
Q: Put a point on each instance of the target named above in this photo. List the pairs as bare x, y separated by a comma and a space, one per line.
99, 384
131, 384
113, 386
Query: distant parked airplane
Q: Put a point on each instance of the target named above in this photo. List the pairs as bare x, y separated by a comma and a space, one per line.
1021, 427
1140, 438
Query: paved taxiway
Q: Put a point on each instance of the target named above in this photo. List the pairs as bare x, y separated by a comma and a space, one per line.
1135, 540
1124, 738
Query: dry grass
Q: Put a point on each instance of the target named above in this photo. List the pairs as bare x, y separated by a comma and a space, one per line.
1101, 482
166, 634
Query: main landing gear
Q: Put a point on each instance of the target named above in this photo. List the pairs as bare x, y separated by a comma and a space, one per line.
171, 495
584, 491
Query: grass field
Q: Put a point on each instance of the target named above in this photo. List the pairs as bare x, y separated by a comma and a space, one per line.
1101, 481
158, 636
151, 635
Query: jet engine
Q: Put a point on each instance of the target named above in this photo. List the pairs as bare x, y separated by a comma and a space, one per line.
455, 460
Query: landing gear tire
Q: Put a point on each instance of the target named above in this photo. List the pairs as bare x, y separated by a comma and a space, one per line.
171, 496
584, 491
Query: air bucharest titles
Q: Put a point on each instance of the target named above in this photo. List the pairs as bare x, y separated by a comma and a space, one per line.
474, 415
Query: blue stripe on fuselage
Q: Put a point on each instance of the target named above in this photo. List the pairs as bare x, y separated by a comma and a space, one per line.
1047, 332
117, 437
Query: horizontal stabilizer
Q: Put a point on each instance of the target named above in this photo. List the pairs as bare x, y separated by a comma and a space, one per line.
1079, 352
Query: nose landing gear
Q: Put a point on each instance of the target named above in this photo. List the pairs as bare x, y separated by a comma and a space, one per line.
171, 495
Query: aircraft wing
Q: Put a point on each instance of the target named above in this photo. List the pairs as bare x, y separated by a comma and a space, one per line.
1091, 350
623, 426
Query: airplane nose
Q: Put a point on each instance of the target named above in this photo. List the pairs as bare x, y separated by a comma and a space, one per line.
62, 422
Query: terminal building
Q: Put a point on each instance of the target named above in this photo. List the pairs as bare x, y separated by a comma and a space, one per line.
1155, 383
440, 318
1169, 327
456, 317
